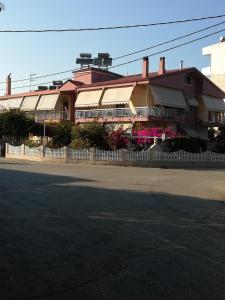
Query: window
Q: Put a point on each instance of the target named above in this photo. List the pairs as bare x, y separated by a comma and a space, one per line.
187, 79
209, 116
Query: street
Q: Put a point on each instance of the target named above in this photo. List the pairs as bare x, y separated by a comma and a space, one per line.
109, 233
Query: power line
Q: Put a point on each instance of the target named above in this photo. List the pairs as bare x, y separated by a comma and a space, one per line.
42, 76
169, 41
168, 49
122, 56
32, 85
134, 60
110, 27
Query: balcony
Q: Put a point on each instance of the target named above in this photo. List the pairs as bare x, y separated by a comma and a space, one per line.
49, 116
125, 114
212, 119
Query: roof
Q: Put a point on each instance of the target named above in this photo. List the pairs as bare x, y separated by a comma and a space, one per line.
132, 79
35, 93
125, 80
135, 78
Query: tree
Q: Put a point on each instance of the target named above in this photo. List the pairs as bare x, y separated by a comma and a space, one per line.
15, 125
61, 135
90, 135
117, 139
219, 144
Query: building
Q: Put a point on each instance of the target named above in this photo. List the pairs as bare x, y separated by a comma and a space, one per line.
184, 100
216, 70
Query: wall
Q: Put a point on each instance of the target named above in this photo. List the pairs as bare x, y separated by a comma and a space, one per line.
216, 53
142, 97
219, 80
89, 76
216, 71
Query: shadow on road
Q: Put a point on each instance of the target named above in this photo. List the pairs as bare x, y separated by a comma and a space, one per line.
62, 240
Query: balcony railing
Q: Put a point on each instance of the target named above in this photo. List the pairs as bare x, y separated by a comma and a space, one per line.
126, 112
48, 115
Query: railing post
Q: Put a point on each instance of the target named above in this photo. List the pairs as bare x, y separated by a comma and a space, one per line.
92, 153
66, 152
42, 151
6, 149
122, 155
23, 149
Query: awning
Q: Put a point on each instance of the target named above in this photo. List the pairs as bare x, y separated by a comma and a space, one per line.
120, 95
48, 102
11, 103
214, 104
168, 97
29, 103
192, 102
88, 98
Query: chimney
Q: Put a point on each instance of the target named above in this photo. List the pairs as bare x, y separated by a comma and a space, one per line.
145, 67
8, 85
162, 66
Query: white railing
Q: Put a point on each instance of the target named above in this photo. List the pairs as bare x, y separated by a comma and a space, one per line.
107, 155
15, 150
79, 154
54, 153
103, 113
119, 155
32, 151
48, 115
126, 112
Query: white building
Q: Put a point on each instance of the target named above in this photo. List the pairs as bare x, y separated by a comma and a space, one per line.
216, 70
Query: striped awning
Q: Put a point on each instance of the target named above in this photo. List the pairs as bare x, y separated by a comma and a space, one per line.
88, 98
168, 97
11, 103
213, 104
192, 102
48, 102
29, 103
119, 95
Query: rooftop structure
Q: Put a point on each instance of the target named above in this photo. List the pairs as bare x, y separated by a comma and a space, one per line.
216, 70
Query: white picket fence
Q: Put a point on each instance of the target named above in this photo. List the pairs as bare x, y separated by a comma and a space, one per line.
119, 155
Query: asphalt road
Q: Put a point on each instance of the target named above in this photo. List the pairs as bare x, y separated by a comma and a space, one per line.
95, 232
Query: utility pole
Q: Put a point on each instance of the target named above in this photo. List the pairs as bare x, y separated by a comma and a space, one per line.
2, 6
31, 79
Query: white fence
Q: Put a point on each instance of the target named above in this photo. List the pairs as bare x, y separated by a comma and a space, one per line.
115, 156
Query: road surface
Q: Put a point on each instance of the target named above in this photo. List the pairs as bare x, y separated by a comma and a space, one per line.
110, 233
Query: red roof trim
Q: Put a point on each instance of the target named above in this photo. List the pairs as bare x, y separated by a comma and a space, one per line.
37, 93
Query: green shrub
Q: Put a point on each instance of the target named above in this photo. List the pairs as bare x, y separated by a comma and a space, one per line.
90, 135
188, 144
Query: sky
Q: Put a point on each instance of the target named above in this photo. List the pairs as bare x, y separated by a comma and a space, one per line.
23, 54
